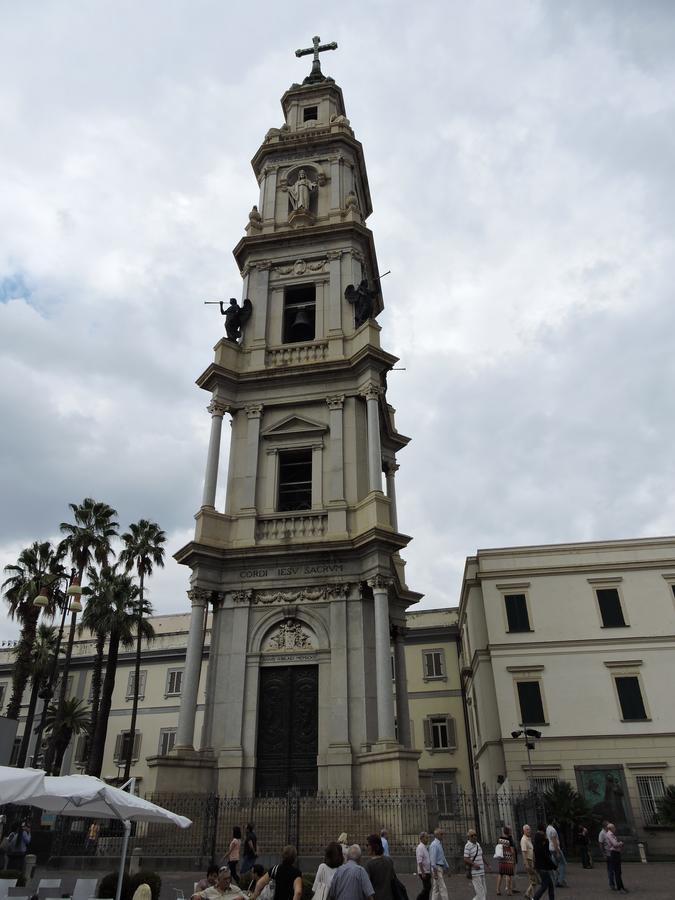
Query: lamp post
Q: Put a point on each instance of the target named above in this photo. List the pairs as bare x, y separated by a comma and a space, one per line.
47, 691
530, 735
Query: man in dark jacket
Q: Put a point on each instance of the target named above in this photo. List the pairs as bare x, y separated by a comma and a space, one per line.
543, 863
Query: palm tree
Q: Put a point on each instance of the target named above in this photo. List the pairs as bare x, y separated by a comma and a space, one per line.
567, 807
142, 549
41, 658
37, 567
87, 539
93, 618
118, 615
63, 721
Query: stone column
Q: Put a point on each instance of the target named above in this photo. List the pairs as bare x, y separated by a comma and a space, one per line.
390, 475
336, 487
217, 411
372, 395
254, 414
334, 290
385, 695
270, 193
193, 665
401, 677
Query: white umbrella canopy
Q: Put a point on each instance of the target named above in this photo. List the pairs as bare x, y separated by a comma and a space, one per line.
19, 785
86, 796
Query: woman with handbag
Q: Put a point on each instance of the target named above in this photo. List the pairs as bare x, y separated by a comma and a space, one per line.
333, 859
506, 857
281, 882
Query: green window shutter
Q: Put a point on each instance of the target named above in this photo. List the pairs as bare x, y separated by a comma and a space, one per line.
452, 732
428, 741
118, 745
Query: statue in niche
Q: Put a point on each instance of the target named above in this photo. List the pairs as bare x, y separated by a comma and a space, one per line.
235, 318
362, 299
299, 192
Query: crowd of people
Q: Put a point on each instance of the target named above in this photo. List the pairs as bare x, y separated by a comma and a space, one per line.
344, 876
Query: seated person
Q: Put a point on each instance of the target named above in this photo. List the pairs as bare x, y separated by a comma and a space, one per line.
222, 889
257, 872
209, 881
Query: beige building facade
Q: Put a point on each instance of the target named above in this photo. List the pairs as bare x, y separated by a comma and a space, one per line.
575, 641
434, 698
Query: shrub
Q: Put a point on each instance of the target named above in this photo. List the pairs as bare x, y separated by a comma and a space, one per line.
14, 874
143, 876
666, 806
107, 886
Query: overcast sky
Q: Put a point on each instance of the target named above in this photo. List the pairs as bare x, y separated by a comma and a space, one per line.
520, 158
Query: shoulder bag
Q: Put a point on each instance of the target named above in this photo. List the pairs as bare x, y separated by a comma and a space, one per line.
267, 892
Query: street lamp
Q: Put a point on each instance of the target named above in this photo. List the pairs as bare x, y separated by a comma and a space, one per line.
47, 692
530, 735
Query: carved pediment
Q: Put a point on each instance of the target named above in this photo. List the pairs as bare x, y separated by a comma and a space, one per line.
290, 634
295, 426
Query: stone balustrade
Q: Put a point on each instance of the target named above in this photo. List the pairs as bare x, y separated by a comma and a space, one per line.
297, 354
299, 525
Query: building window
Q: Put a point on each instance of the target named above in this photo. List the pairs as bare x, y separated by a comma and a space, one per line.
167, 739
15, 751
393, 668
174, 682
544, 783
3, 691
531, 705
610, 608
82, 750
650, 790
131, 685
295, 480
299, 314
433, 662
122, 746
439, 733
443, 789
310, 114
630, 698
516, 612
69, 686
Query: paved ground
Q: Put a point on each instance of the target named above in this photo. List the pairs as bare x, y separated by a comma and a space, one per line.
654, 880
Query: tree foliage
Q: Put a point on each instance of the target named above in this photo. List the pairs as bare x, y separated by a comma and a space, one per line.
666, 807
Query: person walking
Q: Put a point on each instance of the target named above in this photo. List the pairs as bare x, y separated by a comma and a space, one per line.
380, 869
439, 866
233, 853
332, 860
286, 876
351, 881
603, 843
543, 864
582, 841
615, 848
423, 866
527, 850
384, 837
18, 842
506, 862
250, 848
342, 841
557, 855
475, 863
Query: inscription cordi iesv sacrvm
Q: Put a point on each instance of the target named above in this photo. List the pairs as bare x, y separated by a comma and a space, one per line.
329, 568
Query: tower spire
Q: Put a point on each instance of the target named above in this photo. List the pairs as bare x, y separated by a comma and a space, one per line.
317, 47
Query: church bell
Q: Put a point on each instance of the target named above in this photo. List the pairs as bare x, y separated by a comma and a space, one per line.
302, 328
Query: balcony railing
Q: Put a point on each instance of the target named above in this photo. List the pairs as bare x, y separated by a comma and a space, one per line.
280, 527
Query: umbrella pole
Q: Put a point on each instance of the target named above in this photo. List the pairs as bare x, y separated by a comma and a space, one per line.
125, 845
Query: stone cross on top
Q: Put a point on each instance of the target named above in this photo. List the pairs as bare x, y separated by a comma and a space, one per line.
318, 47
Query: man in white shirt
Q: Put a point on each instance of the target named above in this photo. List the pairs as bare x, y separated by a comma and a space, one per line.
603, 842
423, 866
527, 850
385, 842
439, 866
557, 854
473, 860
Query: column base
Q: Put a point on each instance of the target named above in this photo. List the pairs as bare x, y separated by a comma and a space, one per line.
388, 766
183, 771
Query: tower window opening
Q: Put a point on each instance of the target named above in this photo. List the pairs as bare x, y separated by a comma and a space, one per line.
310, 114
295, 480
299, 314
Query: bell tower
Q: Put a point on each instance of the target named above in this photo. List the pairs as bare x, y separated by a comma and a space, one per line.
302, 565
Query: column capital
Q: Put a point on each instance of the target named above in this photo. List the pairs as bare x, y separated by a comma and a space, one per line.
336, 402
199, 596
391, 468
263, 265
371, 392
380, 583
254, 411
335, 254
398, 633
216, 408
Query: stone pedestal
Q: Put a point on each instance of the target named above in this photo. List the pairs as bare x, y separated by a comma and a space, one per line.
388, 766
184, 772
